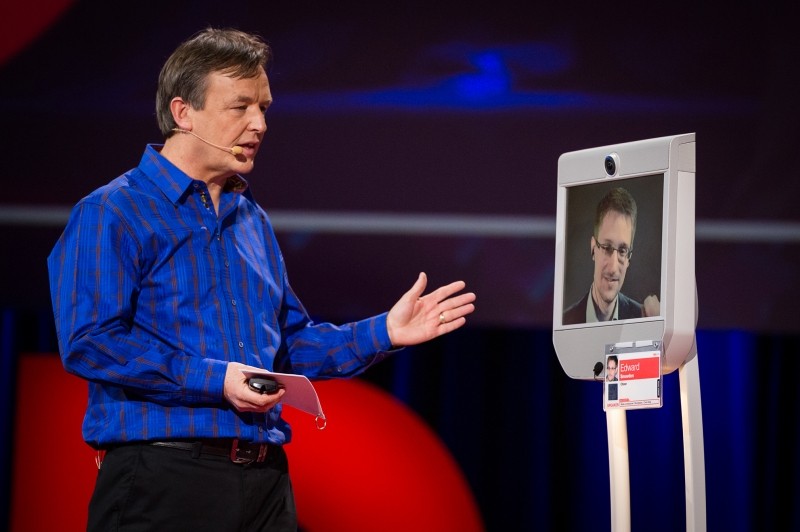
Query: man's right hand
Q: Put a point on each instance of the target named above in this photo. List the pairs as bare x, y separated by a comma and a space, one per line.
239, 394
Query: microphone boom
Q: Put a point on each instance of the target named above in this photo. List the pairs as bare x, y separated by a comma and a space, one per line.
234, 150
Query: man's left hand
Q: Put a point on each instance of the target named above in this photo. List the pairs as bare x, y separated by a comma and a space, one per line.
416, 318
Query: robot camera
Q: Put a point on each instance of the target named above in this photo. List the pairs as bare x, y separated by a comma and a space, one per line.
611, 164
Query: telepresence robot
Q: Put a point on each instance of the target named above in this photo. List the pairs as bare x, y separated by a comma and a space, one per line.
625, 300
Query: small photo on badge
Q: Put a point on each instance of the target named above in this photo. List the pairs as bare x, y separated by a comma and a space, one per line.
612, 391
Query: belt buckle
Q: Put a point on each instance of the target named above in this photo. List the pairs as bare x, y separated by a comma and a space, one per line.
246, 456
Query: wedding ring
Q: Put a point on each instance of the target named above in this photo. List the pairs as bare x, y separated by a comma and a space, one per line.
441, 318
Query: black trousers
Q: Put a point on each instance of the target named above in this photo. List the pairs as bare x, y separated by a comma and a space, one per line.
144, 487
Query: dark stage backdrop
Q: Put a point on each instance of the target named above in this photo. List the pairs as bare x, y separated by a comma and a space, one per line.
415, 136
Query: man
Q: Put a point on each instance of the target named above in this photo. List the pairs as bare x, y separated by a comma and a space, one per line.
168, 282
611, 248
611, 368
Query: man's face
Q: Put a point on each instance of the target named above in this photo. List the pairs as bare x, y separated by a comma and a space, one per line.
611, 369
233, 115
616, 230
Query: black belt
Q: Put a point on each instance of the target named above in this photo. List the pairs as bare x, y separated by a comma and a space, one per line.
240, 452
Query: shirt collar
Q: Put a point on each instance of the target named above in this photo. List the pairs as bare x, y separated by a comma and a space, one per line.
172, 181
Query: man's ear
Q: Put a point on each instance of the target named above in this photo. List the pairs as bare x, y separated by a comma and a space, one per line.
180, 113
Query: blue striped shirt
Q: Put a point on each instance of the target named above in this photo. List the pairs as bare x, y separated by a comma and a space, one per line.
154, 293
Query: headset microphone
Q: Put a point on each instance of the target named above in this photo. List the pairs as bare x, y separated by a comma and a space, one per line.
234, 150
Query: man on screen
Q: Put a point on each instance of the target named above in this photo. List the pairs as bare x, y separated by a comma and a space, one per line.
611, 247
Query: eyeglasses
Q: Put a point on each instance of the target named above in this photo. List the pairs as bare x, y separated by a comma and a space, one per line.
623, 253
